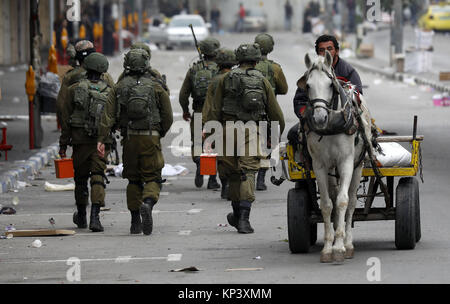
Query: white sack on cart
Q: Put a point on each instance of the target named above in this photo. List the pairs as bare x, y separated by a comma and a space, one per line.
394, 155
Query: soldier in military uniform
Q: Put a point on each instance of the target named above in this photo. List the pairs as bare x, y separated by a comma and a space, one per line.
155, 74
243, 95
226, 60
77, 54
80, 117
196, 85
141, 109
273, 72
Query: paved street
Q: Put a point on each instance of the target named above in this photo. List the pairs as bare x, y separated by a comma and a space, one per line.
190, 224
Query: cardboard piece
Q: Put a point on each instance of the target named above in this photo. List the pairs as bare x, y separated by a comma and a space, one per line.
444, 76
41, 232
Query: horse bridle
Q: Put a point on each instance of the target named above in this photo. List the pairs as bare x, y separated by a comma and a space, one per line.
337, 91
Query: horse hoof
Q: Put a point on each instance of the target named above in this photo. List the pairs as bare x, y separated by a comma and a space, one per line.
326, 258
349, 253
338, 256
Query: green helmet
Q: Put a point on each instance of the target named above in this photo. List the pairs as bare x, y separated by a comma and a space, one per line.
248, 52
142, 46
137, 60
71, 52
96, 62
266, 43
226, 57
209, 46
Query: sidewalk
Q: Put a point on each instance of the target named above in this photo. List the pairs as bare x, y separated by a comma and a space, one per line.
22, 162
380, 62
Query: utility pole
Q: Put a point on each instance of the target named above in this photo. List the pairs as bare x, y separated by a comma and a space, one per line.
120, 26
398, 27
138, 3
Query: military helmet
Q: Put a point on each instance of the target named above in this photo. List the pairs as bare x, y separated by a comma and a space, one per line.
83, 49
266, 43
248, 52
96, 62
226, 57
142, 46
209, 46
71, 52
137, 60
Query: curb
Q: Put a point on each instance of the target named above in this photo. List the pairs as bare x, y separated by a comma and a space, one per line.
400, 76
28, 168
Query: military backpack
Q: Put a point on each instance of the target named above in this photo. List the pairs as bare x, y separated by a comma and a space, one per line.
266, 68
245, 95
89, 102
138, 108
201, 78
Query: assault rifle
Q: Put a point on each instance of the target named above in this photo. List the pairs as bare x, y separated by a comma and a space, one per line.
197, 47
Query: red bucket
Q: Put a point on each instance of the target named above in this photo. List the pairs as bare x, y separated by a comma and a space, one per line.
208, 164
64, 168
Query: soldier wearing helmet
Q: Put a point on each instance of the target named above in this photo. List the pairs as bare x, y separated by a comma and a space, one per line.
242, 95
77, 53
141, 109
226, 60
195, 85
80, 119
273, 72
152, 73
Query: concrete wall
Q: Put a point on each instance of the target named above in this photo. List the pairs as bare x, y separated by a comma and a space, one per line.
273, 8
14, 32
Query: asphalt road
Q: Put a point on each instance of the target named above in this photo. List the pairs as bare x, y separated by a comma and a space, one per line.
190, 230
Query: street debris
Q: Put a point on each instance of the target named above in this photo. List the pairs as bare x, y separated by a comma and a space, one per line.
222, 225
8, 211
10, 227
55, 188
36, 244
52, 221
40, 232
15, 201
170, 170
257, 258
188, 269
244, 269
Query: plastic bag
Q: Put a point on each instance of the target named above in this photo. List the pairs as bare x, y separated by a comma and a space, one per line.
49, 85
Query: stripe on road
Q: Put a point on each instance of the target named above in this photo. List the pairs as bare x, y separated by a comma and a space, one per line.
121, 259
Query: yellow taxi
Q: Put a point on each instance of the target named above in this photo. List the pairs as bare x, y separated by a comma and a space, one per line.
436, 17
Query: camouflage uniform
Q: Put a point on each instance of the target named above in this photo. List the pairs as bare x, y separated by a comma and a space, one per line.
142, 152
240, 170
273, 72
209, 49
87, 163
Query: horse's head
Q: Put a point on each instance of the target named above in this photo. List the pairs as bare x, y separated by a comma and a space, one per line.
320, 87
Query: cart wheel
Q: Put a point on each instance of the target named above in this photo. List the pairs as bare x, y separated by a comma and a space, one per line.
405, 213
313, 234
299, 221
418, 226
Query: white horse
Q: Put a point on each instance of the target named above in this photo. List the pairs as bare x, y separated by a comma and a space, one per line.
336, 160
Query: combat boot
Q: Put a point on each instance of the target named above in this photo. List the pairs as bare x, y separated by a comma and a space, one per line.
233, 217
260, 182
95, 225
244, 221
212, 182
79, 217
224, 192
136, 223
198, 176
146, 214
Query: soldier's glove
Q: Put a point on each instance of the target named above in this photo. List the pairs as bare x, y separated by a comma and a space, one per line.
187, 116
62, 151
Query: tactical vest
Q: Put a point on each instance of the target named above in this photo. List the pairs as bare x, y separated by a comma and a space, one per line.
245, 95
137, 104
266, 68
89, 103
201, 78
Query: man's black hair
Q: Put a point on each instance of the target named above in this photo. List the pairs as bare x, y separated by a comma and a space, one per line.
326, 38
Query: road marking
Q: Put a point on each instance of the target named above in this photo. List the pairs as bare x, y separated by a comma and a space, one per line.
164, 193
120, 259
184, 232
108, 213
193, 211
174, 257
